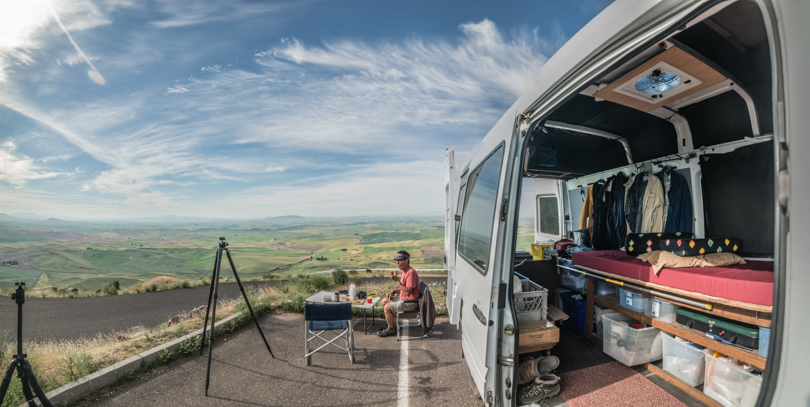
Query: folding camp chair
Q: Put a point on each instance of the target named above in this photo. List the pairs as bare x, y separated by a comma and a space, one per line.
322, 318
401, 317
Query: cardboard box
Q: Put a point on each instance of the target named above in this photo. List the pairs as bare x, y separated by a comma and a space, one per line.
537, 333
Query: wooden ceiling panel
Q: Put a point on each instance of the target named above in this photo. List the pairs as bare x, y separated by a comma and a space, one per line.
675, 57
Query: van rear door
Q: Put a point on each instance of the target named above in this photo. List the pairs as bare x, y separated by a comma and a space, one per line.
450, 222
477, 259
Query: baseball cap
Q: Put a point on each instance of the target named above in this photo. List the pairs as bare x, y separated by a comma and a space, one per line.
401, 256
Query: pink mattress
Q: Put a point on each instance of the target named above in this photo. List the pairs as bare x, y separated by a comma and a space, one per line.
751, 283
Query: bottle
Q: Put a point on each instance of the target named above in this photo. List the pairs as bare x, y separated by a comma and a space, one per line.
352, 291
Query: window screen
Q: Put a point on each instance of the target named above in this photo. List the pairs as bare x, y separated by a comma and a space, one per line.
475, 235
549, 215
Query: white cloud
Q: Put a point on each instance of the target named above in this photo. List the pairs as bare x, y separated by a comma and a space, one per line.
175, 90
17, 169
292, 109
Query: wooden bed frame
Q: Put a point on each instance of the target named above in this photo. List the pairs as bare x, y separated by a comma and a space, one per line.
735, 310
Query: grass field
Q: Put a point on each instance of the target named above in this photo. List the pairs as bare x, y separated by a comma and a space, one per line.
87, 256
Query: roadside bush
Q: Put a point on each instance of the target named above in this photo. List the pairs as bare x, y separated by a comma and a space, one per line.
339, 277
357, 281
312, 283
294, 304
111, 288
76, 364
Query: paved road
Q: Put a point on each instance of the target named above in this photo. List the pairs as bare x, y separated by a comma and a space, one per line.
59, 319
424, 372
74, 318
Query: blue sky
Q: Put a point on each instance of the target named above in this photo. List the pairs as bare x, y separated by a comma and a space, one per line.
249, 109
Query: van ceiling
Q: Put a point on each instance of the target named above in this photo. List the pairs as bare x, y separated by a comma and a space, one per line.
739, 50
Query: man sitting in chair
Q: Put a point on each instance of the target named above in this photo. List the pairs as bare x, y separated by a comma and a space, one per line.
407, 290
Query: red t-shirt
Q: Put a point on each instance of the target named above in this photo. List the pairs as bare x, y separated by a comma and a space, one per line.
409, 278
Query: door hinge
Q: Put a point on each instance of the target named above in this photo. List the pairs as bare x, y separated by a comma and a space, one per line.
504, 208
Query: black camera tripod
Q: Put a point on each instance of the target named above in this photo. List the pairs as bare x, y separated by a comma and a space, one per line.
213, 294
20, 364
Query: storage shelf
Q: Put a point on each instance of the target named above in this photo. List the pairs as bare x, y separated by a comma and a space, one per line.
685, 332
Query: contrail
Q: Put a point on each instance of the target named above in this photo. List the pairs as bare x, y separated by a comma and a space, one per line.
79, 50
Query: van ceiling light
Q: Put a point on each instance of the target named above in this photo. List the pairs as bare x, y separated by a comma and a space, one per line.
636, 88
658, 82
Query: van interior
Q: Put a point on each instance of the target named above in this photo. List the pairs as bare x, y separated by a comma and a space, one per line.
698, 104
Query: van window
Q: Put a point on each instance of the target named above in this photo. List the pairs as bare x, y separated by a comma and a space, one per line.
549, 215
475, 234
460, 207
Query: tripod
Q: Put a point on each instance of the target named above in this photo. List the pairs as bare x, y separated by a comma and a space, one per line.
213, 294
24, 371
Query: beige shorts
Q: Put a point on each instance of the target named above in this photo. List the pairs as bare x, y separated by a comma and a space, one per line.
398, 305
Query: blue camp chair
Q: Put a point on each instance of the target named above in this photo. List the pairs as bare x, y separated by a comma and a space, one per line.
333, 318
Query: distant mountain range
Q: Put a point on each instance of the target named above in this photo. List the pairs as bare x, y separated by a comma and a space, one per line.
184, 220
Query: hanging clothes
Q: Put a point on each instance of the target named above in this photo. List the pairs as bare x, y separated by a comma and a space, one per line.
586, 217
600, 238
652, 220
616, 223
679, 211
633, 201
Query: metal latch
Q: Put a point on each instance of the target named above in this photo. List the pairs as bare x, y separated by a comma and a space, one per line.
509, 329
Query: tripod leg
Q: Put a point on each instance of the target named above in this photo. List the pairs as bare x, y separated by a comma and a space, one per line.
241, 288
7, 380
29, 397
213, 319
29, 377
217, 261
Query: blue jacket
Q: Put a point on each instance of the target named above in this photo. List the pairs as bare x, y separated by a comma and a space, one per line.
679, 209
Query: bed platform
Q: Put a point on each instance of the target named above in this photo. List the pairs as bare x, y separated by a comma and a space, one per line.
740, 292
749, 286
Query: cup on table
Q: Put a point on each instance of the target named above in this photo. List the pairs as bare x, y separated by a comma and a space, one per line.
368, 300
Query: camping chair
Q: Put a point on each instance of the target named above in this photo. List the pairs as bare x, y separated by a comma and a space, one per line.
401, 317
320, 318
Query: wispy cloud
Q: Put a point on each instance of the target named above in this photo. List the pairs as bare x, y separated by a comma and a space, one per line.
371, 119
17, 169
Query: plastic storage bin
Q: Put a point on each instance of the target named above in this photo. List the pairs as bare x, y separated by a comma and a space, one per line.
632, 301
575, 310
603, 288
662, 310
729, 384
558, 302
764, 339
572, 279
684, 360
531, 304
598, 312
627, 345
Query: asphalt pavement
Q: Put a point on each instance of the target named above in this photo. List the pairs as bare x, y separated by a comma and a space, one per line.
56, 319
422, 372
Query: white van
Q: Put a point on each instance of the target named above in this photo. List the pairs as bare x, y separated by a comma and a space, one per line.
716, 91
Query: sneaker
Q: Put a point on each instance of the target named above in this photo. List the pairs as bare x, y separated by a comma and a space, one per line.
536, 393
387, 332
533, 368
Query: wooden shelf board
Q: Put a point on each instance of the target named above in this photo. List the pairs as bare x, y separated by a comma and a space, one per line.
689, 334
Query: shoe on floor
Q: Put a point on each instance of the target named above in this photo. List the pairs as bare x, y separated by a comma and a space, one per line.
536, 393
533, 368
386, 332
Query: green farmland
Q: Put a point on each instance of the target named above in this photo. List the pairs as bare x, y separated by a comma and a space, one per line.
88, 255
